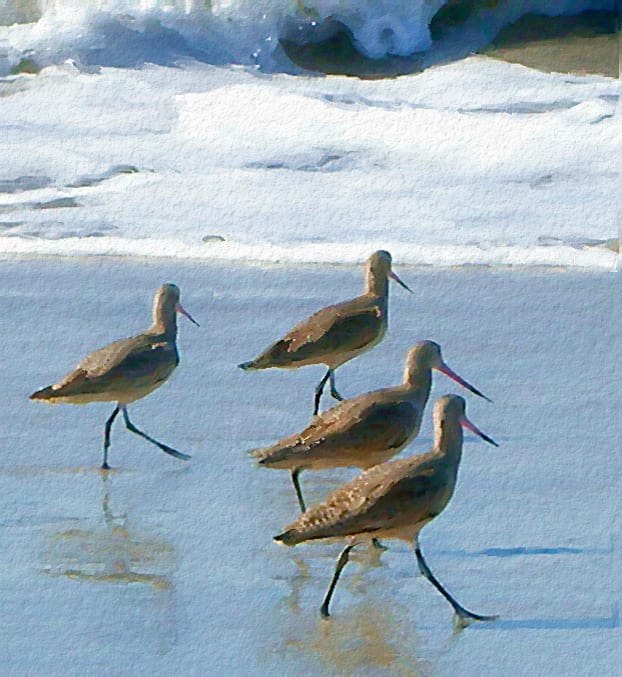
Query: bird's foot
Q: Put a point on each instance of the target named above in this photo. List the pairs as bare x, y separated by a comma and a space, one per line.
464, 618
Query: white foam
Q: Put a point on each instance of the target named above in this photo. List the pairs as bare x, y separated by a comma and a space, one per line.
127, 32
478, 162
596, 258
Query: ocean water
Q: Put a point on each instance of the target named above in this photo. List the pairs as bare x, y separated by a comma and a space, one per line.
249, 31
180, 129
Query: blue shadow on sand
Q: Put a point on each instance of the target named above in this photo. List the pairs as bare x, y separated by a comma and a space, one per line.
519, 551
610, 622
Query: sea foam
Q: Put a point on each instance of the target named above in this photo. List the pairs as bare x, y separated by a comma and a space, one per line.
127, 33
477, 162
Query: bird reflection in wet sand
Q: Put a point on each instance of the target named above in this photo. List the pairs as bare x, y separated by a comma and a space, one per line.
296, 584
372, 638
112, 554
303, 575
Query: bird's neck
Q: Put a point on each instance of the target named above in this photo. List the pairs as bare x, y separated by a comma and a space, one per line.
418, 383
375, 284
164, 322
448, 441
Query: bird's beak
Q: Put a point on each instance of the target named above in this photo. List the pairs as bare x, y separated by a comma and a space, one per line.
394, 276
444, 369
465, 423
181, 311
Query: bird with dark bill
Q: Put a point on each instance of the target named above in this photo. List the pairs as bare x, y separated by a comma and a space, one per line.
126, 370
337, 333
394, 500
365, 430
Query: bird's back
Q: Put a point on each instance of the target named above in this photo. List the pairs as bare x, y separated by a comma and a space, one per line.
122, 371
330, 336
362, 431
388, 500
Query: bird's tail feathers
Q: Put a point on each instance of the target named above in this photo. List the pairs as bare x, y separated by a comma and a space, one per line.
289, 537
48, 393
266, 455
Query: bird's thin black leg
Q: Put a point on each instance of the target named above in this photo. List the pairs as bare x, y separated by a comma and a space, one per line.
463, 614
166, 449
107, 428
296, 482
333, 388
341, 562
319, 390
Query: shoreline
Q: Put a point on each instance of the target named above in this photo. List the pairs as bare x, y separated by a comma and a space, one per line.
259, 263
593, 254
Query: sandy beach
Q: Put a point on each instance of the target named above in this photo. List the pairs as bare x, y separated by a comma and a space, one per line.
587, 42
166, 567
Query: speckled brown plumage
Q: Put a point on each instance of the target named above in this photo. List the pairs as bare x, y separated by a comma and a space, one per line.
126, 370
391, 499
337, 333
365, 430
394, 500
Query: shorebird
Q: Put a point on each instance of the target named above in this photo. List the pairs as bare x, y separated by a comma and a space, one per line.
126, 370
365, 430
338, 333
394, 500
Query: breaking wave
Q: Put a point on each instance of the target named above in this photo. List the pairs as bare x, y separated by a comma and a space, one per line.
128, 33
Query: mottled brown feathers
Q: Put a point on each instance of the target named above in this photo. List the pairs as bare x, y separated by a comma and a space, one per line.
377, 499
329, 331
354, 430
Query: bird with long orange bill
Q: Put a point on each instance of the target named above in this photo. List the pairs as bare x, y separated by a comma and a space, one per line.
365, 430
394, 500
337, 333
126, 370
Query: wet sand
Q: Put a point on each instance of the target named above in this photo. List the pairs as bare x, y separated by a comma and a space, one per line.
586, 43
164, 567
580, 45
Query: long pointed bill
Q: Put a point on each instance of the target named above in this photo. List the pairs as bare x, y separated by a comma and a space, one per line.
181, 311
465, 423
394, 276
444, 369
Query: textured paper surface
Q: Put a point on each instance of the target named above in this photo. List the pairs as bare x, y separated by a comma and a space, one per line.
260, 193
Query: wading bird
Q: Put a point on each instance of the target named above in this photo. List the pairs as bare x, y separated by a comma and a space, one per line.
126, 370
336, 334
365, 430
394, 500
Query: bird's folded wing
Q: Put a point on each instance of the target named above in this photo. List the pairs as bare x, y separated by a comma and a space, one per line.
364, 421
103, 361
371, 501
333, 328
325, 427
